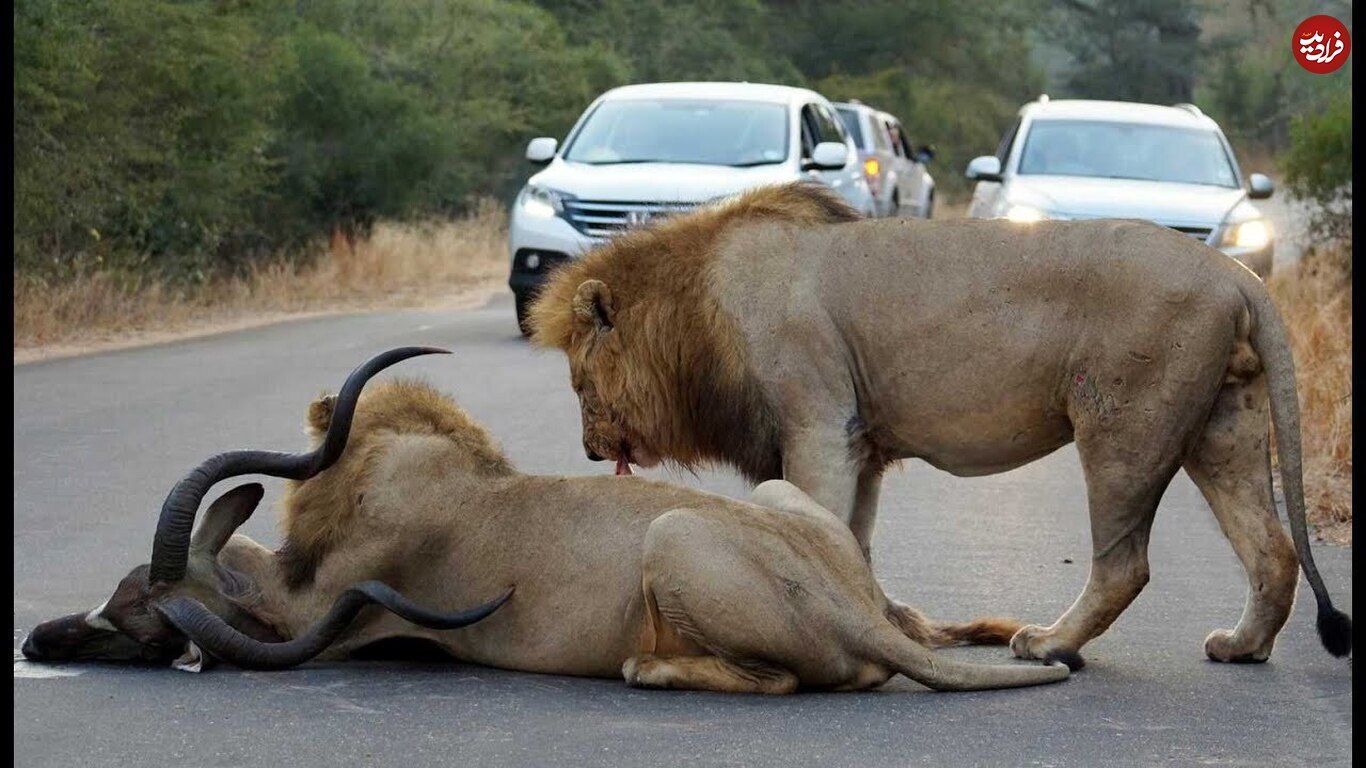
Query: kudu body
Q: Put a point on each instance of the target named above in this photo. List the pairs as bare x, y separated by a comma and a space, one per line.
667, 586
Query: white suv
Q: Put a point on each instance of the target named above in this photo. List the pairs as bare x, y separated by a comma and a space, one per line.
1110, 159
642, 151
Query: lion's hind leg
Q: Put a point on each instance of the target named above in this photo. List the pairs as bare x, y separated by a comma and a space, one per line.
1127, 467
672, 655
1231, 464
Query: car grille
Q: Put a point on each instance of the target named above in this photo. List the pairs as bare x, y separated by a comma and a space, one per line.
603, 218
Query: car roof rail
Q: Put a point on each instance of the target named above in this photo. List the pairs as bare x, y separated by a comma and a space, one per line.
1191, 108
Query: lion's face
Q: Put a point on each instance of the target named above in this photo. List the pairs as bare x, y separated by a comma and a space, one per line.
598, 372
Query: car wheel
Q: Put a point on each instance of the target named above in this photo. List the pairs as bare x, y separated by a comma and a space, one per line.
929, 207
523, 305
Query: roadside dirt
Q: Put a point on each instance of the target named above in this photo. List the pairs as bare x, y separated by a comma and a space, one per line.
464, 298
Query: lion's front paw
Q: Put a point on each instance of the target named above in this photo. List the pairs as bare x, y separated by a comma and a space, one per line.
1222, 646
631, 671
1035, 642
646, 671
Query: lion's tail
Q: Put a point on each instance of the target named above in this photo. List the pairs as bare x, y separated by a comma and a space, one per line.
990, 630
1272, 345
884, 644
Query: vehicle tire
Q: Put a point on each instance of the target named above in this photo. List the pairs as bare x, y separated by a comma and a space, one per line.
523, 303
929, 207
896, 205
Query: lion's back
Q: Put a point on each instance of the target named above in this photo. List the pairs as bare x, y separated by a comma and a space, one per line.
898, 270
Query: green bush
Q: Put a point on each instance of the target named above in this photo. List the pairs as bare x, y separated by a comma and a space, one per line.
351, 147
1318, 166
138, 132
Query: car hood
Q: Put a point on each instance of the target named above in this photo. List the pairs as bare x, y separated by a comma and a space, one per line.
657, 182
1164, 202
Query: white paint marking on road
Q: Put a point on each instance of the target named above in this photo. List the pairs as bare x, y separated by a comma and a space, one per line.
425, 327
27, 670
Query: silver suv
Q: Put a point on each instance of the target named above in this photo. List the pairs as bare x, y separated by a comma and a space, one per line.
1110, 159
896, 172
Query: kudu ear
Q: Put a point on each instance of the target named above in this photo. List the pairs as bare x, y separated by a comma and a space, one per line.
593, 305
193, 659
224, 516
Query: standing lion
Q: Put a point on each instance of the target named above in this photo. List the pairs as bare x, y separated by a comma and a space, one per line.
782, 335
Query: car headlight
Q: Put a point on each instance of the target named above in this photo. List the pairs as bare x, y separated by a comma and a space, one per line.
1249, 234
542, 203
1024, 213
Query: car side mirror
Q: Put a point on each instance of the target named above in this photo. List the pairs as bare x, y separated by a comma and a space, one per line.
1259, 187
924, 154
984, 168
541, 150
829, 156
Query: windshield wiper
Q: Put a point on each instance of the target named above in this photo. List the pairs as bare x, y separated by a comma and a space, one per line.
626, 162
753, 163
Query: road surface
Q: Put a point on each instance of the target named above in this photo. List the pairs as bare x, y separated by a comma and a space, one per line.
99, 440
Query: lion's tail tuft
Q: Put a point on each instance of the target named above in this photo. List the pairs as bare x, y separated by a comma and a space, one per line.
1335, 630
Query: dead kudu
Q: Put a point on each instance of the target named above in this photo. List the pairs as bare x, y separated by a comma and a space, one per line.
614, 576
187, 601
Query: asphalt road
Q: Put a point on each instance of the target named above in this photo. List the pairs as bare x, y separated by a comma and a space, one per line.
98, 441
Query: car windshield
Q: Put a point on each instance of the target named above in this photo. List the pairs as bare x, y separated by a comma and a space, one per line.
1126, 151
737, 133
852, 124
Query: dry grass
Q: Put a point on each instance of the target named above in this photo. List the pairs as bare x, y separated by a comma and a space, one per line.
399, 265
1316, 299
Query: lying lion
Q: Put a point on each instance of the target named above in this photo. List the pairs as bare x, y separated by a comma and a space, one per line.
779, 334
405, 501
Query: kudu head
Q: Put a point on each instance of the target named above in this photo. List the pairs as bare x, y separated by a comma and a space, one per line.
185, 608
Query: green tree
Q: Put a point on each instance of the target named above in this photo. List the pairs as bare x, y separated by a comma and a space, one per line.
1251, 83
475, 79
1131, 50
937, 39
352, 147
660, 41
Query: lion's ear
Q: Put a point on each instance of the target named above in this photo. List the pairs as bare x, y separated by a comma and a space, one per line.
593, 305
320, 414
